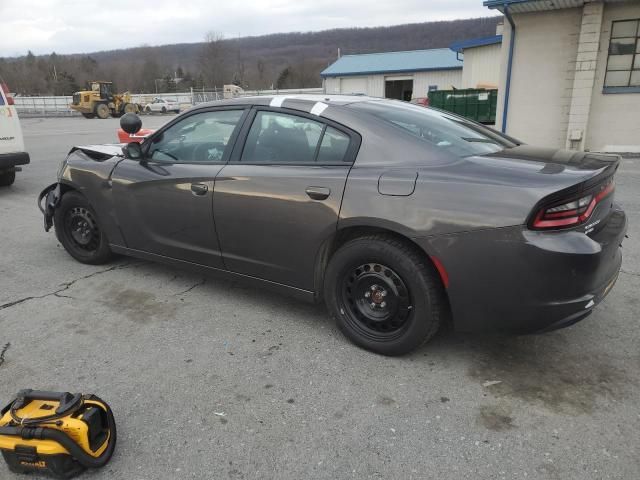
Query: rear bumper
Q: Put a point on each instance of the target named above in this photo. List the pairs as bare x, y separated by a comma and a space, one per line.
9, 160
514, 279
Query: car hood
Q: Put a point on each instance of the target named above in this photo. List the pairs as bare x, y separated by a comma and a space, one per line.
100, 152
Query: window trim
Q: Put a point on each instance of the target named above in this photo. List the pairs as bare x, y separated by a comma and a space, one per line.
635, 55
146, 144
348, 160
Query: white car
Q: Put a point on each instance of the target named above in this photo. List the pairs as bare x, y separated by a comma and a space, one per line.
162, 105
12, 151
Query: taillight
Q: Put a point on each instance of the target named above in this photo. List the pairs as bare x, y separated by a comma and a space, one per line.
573, 211
5, 89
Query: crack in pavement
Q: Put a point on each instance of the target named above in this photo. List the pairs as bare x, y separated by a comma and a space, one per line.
66, 286
195, 285
4, 350
630, 273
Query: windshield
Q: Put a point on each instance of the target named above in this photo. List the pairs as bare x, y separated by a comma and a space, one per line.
440, 129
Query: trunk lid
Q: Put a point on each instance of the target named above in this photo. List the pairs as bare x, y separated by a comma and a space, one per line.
575, 175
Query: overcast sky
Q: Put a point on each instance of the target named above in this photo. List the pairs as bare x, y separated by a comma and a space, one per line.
76, 26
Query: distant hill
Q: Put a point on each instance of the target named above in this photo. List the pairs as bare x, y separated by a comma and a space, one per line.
284, 60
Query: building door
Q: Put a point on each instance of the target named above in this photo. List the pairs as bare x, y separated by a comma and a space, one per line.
399, 89
350, 85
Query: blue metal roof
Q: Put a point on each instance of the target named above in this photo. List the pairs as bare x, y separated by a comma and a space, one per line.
393, 62
475, 42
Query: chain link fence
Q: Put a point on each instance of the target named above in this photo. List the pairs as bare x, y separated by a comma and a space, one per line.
60, 106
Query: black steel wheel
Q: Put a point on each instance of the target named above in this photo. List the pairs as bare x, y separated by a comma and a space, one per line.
378, 300
79, 231
384, 294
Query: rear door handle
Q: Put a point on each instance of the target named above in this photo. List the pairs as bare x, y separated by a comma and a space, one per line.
318, 193
199, 188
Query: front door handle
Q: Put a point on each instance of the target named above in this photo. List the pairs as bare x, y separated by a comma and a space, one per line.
318, 193
199, 188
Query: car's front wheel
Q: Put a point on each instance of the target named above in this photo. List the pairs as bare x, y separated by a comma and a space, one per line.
384, 294
78, 230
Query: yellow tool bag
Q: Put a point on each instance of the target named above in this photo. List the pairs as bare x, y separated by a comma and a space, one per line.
59, 434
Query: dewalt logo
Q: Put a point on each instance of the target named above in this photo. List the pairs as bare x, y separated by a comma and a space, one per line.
39, 464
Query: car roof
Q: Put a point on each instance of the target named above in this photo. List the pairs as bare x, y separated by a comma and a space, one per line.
302, 100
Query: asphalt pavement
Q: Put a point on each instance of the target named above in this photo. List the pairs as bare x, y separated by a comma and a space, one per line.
211, 379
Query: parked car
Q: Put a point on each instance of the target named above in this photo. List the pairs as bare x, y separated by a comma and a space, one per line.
12, 153
399, 217
162, 105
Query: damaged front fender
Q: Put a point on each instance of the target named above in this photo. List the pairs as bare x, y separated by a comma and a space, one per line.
51, 196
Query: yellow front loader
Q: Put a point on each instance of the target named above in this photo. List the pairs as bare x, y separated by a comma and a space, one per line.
101, 102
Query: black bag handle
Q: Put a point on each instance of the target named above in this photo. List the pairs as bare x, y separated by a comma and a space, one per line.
67, 400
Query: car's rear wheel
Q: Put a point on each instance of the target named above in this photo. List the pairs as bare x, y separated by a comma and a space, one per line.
384, 294
164, 109
7, 178
78, 230
102, 111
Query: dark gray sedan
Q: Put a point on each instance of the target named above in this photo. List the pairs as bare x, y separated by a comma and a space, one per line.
399, 217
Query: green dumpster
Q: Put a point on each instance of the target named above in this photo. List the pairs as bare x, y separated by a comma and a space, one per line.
474, 103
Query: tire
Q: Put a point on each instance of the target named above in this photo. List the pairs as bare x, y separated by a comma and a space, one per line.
130, 108
88, 244
89, 115
176, 112
148, 110
402, 312
164, 109
103, 111
7, 178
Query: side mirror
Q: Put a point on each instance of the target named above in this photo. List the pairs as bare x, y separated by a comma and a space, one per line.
130, 123
133, 151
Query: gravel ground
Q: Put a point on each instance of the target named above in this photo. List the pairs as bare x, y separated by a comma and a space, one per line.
211, 379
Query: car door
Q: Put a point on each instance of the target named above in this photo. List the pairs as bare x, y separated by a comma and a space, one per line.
279, 197
164, 202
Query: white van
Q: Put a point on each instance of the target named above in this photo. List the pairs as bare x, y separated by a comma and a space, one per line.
12, 151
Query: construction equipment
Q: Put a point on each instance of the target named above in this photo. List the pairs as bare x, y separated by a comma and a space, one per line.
60, 434
101, 102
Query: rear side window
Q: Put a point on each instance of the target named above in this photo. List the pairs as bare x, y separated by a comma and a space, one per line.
333, 147
281, 138
439, 129
277, 138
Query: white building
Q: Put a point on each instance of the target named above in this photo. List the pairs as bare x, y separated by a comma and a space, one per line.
570, 73
400, 75
481, 61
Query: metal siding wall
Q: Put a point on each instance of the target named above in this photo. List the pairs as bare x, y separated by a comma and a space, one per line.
481, 66
444, 79
375, 85
332, 85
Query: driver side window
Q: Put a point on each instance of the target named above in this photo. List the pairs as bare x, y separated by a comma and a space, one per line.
200, 138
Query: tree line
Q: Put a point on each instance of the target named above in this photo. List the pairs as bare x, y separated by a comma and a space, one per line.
288, 60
